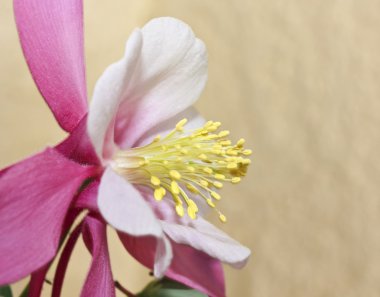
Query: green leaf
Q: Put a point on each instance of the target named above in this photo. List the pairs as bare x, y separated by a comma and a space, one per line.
5, 291
168, 288
25, 292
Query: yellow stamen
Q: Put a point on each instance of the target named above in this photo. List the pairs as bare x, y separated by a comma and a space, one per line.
240, 143
159, 193
218, 185
174, 187
203, 183
180, 124
192, 213
215, 195
179, 210
219, 176
210, 203
222, 218
175, 174
186, 166
155, 180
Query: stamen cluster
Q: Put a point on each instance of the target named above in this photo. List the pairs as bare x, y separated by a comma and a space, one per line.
185, 164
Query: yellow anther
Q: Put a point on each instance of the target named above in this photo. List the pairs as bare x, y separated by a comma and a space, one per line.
207, 124
217, 124
247, 152
215, 195
210, 203
184, 151
222, 218
246, 161
157, 138
190, 168
176, 199
224, 133
192, 204
216, 152
174, 187
197, 145
180, 124
175, 174
241, 142
178, 146
218, 185
231, 165
219, 176
192, 213
212, 136
207, 170
203, 183
235, 180
231, 159
212, 128
232, 152
155, 181
225, 142
164, 148
202, 157
179, 210
159, 193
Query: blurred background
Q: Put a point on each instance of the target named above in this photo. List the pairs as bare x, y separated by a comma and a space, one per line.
300, 80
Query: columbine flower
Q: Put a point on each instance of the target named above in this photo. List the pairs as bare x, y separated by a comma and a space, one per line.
152, 189
163, 163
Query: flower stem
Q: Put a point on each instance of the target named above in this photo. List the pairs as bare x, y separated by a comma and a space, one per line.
123, 290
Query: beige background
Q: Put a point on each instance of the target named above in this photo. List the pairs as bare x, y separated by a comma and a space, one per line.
300, 80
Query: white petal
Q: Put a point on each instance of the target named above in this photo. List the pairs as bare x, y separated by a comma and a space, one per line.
162, 73
108, 94
170, 76
123, 207
163, 257
207, 238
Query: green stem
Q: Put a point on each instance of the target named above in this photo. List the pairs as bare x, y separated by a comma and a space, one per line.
123, 290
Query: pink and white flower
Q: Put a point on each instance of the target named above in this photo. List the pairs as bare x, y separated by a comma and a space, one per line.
113, 162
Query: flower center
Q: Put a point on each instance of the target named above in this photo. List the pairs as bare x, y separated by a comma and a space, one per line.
185, 164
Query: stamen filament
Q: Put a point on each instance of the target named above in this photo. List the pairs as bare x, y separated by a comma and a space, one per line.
198, 160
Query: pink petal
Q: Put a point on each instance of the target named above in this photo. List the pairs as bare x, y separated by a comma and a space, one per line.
87, 199
197, 270
205, 237
123, 207
167, 72
35, 195
51, 35
99, 281
189, 266
37, 281
64, 261
78, 146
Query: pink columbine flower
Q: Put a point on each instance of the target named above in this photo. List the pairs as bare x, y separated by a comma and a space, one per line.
143, 158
